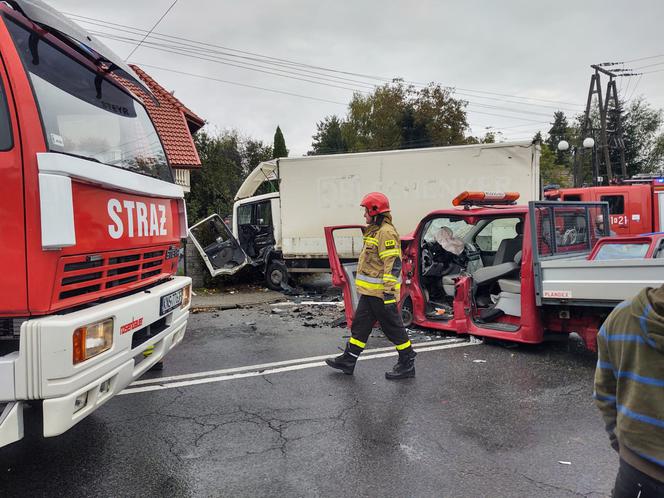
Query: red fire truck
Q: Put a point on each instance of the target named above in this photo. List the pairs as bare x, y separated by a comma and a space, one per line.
91, 224
636, 206
493, 269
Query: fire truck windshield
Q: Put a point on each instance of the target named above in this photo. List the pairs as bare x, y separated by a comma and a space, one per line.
87, 115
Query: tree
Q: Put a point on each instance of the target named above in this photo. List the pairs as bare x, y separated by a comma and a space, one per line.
329, 137
395, 116
643, 138
537, 139
279, 149
559, 131
227, 159
441, 116
489, 138
552, 173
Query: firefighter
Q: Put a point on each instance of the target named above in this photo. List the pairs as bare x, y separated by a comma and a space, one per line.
378, 281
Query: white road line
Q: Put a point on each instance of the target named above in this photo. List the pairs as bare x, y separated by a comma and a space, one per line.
290, 368
263, 366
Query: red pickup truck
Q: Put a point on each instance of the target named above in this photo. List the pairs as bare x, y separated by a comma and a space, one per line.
509, 272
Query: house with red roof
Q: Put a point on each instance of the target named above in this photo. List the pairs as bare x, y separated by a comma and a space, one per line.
176, 125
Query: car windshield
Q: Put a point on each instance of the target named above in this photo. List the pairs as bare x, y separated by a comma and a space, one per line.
85, 114
622, 251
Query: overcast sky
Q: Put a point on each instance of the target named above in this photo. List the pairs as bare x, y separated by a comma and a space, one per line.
532, 52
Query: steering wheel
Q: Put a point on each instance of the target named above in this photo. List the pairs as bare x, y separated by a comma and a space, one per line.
427, 260
569, 237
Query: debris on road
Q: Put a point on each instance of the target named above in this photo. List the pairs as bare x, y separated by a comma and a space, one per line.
561, 462
309, 303
479, 361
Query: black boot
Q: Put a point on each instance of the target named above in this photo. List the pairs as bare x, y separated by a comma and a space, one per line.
345, 362
405, 367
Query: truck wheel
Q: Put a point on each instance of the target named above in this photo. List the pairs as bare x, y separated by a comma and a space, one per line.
276, 273
407, 313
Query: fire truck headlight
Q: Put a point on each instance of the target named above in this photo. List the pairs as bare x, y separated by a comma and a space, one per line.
186, 296
92, 339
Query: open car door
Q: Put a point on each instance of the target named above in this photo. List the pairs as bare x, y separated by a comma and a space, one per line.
218, 248
343, 251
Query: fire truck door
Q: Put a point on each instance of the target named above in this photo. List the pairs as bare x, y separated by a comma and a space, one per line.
217, 246
13, 291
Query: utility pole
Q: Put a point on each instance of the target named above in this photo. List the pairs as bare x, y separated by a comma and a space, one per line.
586, 126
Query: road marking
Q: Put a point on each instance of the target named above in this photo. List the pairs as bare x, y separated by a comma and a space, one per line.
263, 366
258, 371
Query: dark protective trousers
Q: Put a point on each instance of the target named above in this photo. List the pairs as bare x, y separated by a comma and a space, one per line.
632, 483
371, 309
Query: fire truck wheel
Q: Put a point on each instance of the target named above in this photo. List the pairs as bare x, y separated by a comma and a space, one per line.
276, 273
407, 313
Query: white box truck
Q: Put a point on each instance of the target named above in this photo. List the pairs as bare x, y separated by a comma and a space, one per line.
282, 232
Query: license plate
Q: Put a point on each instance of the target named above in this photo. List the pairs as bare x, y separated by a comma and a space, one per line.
170, 301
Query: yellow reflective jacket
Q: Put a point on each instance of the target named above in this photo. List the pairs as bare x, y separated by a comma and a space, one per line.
379, 267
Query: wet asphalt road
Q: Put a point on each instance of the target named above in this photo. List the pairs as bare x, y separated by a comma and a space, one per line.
461, 428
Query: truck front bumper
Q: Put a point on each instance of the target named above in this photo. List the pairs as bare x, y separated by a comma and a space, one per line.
43, 368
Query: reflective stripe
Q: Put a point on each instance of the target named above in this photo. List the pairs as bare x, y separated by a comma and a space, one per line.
389, 278
371, 240
403, 346
371, 280
388, 253
367, 285
397, 287
357, 343
390, 301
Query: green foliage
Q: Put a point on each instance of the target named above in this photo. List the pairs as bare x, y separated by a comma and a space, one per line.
552, 173
643, 139
559, 131
279, 147
329, 137
489, 138
537, 139
394, 116
227, 159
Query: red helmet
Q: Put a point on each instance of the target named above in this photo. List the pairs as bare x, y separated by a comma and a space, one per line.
376, 203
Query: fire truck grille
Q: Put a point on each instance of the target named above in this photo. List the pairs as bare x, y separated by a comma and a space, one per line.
91, 277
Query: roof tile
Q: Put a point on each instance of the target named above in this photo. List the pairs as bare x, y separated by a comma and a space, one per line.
172, 120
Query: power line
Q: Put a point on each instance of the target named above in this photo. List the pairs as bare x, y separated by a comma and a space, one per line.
635, 86
649, 65
629, 82
273, 60
151, 30
651, 72
186, 51
197, 50
250, 68
272, 90
645, 58
295, 94
288, 74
